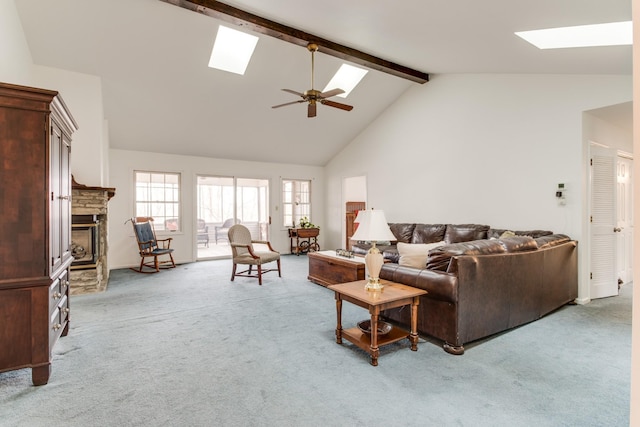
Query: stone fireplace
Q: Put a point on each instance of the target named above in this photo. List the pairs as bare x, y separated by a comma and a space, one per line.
89, 207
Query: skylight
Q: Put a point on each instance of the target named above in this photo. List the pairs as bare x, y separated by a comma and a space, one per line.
611, 34
232, 50
347, 78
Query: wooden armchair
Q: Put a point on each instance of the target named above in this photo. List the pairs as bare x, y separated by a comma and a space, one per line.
244, 253
151, 247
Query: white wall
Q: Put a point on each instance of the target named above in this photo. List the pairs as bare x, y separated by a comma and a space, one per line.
603, 132
81, 92
487, 149
123, 249
15, 57
83, 95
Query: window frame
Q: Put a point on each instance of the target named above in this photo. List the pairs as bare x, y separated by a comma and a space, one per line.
159, 220
296, 216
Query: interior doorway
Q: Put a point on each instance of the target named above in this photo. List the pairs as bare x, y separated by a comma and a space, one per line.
354, 189
611, 220
223, 202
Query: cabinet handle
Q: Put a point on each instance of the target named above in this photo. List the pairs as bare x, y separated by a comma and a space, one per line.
66, 282
64, 197
57, 295
57, 326
66, 310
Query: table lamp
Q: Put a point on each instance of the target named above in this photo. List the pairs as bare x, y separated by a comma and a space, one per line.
373, 227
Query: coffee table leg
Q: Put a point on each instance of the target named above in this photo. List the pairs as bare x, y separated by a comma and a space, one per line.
339, 313
373, 349
413, 337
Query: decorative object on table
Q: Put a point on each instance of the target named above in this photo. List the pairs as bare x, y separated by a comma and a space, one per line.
304, 223
345, 253
372, 228
383, 327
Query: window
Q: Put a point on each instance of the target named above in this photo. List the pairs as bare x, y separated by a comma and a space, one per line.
296, 201
158, 196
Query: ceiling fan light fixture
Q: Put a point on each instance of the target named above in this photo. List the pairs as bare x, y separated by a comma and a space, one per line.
313, 96
232, 50
347, 78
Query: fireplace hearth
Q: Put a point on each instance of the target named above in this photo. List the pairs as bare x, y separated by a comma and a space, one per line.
89, 269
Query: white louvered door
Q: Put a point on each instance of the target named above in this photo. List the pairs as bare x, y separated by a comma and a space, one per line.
604, 281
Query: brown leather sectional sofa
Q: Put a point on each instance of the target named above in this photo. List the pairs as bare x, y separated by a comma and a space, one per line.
480, 282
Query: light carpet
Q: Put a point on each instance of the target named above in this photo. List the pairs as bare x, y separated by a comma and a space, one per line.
188, 347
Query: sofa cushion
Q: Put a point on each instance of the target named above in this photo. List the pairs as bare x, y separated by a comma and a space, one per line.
363, 248
495, 233
551, 240
391, 254
428, 233
415, 254
441, 258
402, 231
519, 244
465, 232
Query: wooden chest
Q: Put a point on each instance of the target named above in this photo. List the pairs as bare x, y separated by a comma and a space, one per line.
326, 268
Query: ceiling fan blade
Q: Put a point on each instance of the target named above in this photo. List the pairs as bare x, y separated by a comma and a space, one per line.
337, 105
294, 92
330, 93
311, 111
288, 103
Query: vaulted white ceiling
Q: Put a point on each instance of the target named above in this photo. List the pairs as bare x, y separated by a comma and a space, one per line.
160, 96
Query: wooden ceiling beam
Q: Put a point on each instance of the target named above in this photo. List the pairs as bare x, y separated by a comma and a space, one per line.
257, 24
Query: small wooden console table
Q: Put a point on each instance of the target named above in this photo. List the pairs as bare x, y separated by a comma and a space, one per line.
306, 240
393, 295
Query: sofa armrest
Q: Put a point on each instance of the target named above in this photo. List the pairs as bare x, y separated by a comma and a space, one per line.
440, 285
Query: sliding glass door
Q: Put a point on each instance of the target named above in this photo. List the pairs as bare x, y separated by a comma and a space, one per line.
224, 201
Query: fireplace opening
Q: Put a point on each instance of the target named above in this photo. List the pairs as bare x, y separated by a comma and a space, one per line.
85, 243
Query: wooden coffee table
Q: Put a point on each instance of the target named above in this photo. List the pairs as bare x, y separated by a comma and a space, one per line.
327, 268
393, 295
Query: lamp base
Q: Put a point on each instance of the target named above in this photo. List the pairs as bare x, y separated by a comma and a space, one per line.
373, 285
374, 260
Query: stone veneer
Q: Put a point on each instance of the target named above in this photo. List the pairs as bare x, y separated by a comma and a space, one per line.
92, 201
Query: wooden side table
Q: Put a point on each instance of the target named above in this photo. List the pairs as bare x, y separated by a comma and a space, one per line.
393, 295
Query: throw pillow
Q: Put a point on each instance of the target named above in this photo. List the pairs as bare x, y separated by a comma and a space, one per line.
507, 233
415, 254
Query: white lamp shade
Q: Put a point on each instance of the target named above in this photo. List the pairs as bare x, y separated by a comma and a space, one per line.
372, 226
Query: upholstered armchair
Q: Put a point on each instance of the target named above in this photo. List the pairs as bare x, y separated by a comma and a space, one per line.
244, 253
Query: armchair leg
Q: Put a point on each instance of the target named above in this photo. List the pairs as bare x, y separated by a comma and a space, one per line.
233, 272
259, 274
155, 263
279, 275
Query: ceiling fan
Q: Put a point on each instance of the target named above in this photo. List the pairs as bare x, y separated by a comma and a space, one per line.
313, 96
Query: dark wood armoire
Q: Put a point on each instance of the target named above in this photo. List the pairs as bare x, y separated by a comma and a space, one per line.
35, 226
